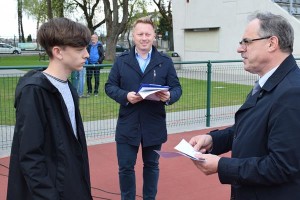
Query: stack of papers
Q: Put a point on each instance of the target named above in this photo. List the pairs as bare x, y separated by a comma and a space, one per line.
183, 149
147, 91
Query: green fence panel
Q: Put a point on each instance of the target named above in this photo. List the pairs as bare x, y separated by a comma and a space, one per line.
212, 93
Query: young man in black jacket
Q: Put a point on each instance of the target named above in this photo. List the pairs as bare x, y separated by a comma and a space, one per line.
49, 158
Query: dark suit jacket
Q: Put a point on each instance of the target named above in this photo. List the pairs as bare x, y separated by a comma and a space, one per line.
265, 140
145, 120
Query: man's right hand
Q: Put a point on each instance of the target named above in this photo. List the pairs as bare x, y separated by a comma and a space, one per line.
133, 98
202, 143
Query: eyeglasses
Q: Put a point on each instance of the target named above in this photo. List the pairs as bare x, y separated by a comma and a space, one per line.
246, 41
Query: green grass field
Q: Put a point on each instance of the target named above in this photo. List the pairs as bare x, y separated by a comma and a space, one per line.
101, 107
24, 60
21, 60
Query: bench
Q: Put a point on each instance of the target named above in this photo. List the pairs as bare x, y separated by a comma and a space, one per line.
43, 56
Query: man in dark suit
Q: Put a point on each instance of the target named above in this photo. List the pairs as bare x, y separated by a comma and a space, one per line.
141, 121
265, 138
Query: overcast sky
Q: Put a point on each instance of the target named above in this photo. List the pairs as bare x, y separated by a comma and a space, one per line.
9, 20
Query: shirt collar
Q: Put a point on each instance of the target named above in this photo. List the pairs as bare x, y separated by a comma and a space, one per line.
139, 56
265, 77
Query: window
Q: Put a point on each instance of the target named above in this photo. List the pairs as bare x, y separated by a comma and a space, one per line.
203, 39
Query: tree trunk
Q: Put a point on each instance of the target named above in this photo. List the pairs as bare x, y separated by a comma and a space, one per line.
49, 9
20, 21
166, 13
171, 39
113, 27
60, 8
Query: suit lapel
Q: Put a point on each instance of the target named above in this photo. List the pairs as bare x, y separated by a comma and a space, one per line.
284, 68
153, 62
132, 62
250, 102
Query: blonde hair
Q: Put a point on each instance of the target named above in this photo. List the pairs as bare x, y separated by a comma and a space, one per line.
144, 20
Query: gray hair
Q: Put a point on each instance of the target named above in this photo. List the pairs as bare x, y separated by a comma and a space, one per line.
276, 25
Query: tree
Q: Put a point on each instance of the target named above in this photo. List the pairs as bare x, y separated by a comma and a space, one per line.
41, 10
55, 8
37, 9
58, 8
20, 21
116, 18
163, 27
29, 38
49, 9
114, 25
89, 9
137, 9
165, 10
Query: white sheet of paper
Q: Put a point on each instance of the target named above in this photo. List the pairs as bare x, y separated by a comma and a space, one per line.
187, 149
147, 91
183, 149
150, 95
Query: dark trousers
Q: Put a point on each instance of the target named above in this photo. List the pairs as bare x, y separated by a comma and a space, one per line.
127, 155
90, 71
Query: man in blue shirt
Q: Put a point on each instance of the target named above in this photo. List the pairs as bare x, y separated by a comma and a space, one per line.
96, 52
141, 122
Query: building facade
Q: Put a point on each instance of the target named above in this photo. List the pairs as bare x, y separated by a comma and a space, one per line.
211, 30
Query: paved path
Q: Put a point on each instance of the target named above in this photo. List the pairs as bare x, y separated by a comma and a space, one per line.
102, 131
179, 178
11, 72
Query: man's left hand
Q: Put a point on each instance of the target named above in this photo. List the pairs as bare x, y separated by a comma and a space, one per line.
163, 95
209, 165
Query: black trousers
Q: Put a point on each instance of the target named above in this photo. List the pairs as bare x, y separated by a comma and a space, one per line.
90, 71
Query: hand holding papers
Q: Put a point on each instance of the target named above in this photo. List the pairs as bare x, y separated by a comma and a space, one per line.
187, 149
184, 149
147, 91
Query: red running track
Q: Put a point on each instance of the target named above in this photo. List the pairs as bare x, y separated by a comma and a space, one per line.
179, 178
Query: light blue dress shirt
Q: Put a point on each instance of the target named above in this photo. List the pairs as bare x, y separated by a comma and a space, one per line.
143, 62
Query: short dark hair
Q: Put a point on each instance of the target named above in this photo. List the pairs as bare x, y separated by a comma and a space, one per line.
62, 32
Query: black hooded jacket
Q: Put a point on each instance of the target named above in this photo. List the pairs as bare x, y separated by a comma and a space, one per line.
47, 160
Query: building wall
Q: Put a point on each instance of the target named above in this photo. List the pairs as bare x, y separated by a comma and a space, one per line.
211, 30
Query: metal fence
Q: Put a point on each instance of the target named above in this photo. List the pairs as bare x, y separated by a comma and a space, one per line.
212, 92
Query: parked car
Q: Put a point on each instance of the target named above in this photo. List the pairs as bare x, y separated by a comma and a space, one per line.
119, 48
6, 48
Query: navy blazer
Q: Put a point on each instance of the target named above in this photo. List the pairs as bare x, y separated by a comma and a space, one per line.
265, 140
146, 120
